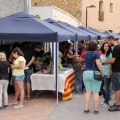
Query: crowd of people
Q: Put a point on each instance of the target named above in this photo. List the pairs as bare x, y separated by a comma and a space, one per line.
97, 58
91, 58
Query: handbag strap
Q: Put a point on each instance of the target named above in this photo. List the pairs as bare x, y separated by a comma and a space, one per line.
93, 62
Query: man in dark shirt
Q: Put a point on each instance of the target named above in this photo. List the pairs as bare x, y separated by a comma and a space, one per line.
30, 57
115, 61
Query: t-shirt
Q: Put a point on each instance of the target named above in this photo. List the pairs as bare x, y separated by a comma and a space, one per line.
82, 54
39, 54
19, 72
106, 67
90, 57
4, 75
70, 60
28, 54
116, 54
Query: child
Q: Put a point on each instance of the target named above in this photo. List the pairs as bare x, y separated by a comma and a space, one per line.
78, 75
4, 79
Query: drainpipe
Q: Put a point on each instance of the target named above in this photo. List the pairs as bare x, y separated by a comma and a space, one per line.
25, 5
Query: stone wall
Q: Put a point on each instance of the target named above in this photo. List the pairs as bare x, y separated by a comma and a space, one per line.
71, 6
8, 7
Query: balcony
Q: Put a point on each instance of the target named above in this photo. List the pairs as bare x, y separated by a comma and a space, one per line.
101, 16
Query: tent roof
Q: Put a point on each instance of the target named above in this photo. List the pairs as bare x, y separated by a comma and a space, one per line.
80, 35
24, 27
94, 31
95, 36
91, 36
116, 36
102, 35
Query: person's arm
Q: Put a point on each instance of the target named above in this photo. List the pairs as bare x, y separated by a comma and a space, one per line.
35, 62
21, 65
8, 69
110, 61
99, 65
109, 73
31, 61
11, 58
71, 56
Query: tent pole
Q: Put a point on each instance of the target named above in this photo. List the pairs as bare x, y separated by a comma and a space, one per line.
56, 51
76, 46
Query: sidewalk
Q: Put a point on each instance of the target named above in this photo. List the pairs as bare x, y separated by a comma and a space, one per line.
73, 110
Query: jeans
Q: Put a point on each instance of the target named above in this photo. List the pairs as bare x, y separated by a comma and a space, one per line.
3, 90
78, 83
105, 89
28, 73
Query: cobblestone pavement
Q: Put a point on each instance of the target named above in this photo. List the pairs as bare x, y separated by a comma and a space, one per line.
73, 110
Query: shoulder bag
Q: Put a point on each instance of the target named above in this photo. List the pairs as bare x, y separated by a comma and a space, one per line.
97, 74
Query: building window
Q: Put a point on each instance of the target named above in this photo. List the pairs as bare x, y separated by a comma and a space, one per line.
101, 11
111, 7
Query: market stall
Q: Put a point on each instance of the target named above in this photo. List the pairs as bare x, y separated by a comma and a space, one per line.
47, 82
24, 27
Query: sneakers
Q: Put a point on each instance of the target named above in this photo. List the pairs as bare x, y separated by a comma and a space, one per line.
105, 105
5, 106
17, 107
102, 103
114, 108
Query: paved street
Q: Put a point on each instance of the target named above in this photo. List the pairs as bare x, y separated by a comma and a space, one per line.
73, 110
35, 109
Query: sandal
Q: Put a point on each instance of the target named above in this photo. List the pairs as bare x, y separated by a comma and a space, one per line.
86, 111
28, 98
96, 112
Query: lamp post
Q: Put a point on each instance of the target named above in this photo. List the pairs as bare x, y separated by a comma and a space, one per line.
91, 6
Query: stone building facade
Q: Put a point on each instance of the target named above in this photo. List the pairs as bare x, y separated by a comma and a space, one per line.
8, 7
71, 6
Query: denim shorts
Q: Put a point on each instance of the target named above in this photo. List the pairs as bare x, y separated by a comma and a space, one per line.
90, 83
115, 77
20, 78
28, 73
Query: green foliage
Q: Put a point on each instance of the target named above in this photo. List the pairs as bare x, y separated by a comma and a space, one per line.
37, 16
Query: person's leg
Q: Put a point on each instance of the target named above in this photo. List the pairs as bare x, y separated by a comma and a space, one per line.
96, 88
28, 73
1, 91
96, 100
87, 99
5, 87
17, 92
111, 91
28, 89
117, 97
102, 89
87, 75
107, 89
75, 84
116, 87
80, 83
20, 85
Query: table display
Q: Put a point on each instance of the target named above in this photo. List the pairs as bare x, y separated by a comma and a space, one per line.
47, 82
